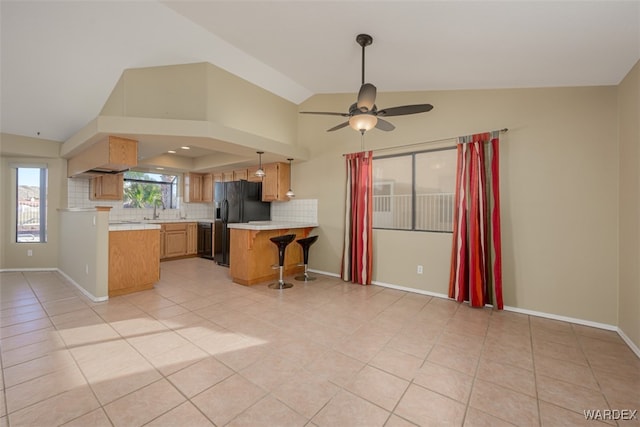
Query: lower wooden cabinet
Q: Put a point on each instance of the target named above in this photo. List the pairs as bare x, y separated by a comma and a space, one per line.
192, 238
134, 262
178, 240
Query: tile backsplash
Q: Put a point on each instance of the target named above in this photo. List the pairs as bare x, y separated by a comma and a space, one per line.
78, 190
300, 210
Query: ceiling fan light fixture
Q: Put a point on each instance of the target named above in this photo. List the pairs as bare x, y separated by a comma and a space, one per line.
363, 122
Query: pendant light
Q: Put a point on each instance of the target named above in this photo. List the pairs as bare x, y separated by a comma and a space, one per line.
260, 172
290, 193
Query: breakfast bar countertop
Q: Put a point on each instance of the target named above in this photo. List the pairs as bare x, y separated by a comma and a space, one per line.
272, 225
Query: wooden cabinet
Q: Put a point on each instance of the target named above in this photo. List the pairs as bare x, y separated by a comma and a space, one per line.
134, 262
239, 174
251, 174
106, 187
227, 176
192, 238
275, 183
163, 251
179, 240
108, 155
198, 187
207, 187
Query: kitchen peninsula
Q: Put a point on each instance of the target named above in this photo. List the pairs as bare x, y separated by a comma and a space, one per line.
252, 254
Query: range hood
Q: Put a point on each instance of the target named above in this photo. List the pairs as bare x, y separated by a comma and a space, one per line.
111, 155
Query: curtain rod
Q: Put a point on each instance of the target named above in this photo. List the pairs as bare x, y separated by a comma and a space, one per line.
503, 130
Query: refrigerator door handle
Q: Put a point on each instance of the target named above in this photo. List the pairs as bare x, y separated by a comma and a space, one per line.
225, 210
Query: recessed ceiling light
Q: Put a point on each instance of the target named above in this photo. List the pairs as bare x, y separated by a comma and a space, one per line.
172, 151
160, 169
186, 148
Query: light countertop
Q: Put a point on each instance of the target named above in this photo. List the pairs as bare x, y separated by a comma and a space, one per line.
149, 224
131, 226
272, 225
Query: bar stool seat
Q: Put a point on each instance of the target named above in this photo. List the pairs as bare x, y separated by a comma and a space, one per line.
306, 243
282, 242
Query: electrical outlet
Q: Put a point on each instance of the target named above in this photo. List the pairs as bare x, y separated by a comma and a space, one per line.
29, 252
419, 271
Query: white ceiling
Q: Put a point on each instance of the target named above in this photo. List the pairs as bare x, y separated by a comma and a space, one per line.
61, 60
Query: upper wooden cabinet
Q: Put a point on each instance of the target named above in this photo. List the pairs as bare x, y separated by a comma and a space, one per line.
198, 187
251, 174
275, 183
113, 154
106, 187
239, 174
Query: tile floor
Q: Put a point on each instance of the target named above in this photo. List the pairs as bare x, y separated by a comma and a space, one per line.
199, 350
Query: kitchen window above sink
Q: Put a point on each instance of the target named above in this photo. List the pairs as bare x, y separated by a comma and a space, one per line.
149, 190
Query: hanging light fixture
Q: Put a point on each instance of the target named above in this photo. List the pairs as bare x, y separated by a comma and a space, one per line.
363, 122
260, 172
290, 193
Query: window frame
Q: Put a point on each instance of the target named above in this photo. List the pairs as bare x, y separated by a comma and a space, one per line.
170, 184
42, 204
413, 193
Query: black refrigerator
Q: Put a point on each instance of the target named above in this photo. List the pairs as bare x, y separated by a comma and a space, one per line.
238, 201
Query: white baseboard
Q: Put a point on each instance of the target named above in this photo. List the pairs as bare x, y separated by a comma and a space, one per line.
81, 289
562, 318
630, 343
2, 270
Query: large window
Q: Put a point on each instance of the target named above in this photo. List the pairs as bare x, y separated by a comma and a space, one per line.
146, 190
414, 191
31, 204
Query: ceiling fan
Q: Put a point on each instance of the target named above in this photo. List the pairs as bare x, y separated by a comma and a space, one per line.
364, 114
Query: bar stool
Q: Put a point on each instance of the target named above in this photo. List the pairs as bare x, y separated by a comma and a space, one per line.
306, 243
282, 242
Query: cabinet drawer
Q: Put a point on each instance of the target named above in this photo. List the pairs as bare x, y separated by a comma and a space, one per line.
175, 227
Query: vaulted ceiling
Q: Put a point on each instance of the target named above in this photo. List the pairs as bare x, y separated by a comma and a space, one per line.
60, 60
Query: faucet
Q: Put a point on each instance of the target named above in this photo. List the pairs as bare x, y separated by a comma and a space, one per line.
156, 215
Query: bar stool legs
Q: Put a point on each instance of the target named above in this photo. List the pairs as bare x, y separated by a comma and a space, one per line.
281, 242
306, 243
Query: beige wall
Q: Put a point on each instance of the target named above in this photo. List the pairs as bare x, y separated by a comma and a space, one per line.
629, 205
22, 150
559, 192
202, 91
84, 251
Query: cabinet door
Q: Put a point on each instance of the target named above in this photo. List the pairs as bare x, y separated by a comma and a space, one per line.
163, 250
239, 174
107, 187
192, 238
227, 176
175, 243
207, 188
251, 174
192, 187
275, 183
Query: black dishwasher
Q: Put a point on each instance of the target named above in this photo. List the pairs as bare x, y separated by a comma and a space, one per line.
205, 240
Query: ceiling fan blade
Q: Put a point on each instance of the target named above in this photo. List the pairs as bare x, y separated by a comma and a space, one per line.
340, 126
384, 125
326, 113
405, 109
366, 97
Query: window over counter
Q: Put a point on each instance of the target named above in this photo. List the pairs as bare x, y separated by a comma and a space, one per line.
415, 191
31, 204
146, 190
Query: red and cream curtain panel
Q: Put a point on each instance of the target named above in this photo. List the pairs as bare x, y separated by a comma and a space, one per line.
358, 228
476, 258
